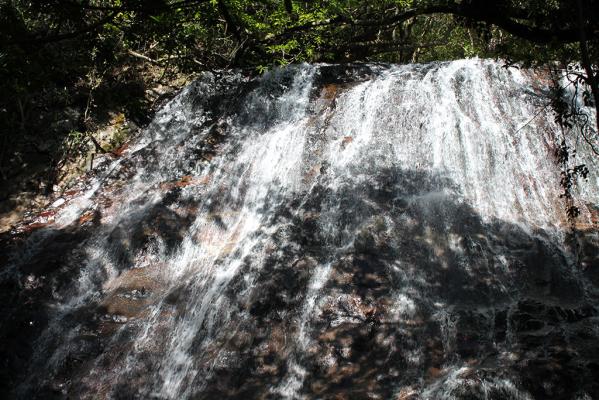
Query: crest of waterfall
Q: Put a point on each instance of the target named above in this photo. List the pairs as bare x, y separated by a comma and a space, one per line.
360, 231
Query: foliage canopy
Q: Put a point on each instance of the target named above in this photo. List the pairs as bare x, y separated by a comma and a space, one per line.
88, 56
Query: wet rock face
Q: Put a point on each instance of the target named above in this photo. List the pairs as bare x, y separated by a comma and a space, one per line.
286, 237
395, 308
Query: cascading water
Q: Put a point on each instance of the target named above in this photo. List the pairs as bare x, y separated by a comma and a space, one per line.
320, 232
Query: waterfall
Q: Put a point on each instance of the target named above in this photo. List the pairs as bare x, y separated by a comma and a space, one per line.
321, 232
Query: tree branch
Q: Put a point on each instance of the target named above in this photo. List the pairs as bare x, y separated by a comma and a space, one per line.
586, 60
144, 57
65, 36
490, 15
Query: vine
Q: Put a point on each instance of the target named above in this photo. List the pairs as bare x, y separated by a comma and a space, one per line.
571, 119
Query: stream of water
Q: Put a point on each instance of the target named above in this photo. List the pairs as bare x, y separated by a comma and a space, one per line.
325, 232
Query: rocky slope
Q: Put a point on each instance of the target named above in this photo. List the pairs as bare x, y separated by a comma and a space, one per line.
334, 232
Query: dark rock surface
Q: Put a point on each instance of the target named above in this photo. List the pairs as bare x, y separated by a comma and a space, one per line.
385, 287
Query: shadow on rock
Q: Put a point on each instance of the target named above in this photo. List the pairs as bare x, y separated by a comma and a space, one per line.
377, 288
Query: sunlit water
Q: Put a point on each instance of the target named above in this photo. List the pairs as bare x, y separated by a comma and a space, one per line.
301, 237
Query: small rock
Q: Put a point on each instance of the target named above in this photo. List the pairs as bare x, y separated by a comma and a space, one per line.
346, 141
118, 319
58, 203
434, 372
407, 393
